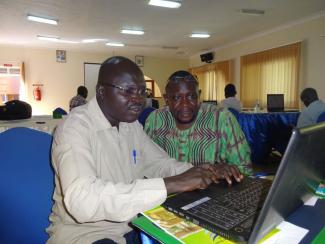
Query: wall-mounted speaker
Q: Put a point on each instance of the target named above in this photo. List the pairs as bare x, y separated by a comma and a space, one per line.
207, 57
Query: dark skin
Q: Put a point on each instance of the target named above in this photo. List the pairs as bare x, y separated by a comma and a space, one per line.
182, 98
118, 106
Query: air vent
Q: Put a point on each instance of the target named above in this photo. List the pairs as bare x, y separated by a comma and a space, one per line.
170, 47
252, 11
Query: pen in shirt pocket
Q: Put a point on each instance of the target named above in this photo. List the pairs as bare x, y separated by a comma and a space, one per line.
134, 153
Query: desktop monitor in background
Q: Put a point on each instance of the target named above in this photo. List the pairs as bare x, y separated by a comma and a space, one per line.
214, 102
275, 102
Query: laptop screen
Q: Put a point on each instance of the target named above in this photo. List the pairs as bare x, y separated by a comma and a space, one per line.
300, 171
275, 102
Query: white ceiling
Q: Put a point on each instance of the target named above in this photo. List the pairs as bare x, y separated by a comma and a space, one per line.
82, 19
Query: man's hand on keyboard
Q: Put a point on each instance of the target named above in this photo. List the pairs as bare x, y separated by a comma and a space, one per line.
201, 177
195, 178
225, 171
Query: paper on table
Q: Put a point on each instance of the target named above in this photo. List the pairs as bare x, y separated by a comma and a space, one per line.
289, 233
312, 201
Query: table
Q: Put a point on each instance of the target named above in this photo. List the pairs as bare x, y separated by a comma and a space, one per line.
44, 123
311, 218
265, 131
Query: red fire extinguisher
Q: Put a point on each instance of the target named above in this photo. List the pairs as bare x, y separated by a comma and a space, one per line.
37, 94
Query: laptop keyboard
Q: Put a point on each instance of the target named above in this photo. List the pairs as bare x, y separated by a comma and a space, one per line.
233, 207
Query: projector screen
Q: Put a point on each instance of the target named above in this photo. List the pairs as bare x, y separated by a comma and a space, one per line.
91, 75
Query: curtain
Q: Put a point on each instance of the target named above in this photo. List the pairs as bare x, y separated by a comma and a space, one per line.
212, 79
22, 89
275, 71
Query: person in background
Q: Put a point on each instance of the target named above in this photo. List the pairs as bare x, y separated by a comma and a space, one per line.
107, 170
230, 100
197, 133
150, 101
80, 98
314, 107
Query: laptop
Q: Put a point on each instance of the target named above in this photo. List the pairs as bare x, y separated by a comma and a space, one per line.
275, 102
213, 102
247, 211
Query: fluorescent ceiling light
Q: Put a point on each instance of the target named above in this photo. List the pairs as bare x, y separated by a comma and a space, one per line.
115, 44
48, 38
66, 41
165, 4
54, 39
132, 32
252, 11
200, 35
42, 20
92, 40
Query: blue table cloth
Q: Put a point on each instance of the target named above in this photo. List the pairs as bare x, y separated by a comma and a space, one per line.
265, 131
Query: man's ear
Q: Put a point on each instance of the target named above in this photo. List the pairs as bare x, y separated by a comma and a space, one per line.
100, 92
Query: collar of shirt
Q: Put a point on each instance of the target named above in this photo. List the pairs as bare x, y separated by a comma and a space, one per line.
99, 120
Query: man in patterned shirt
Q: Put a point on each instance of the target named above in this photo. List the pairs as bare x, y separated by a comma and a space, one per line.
80, 98
197, 133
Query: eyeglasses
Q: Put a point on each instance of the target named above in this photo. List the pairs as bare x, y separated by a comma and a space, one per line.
129, 91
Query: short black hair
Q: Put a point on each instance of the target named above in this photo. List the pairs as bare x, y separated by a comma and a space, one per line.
82, 91
230, 90
308, 95
180, 76
113, 66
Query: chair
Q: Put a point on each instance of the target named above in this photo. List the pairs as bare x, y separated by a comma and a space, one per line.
144, 115
60, 111
26, 185
321, 117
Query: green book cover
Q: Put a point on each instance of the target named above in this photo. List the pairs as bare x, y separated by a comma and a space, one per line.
166, 227
320, 238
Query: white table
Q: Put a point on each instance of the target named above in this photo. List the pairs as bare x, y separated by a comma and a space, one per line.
44, 123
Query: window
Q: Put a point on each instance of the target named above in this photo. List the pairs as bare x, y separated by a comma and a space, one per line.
273, 71
11, 82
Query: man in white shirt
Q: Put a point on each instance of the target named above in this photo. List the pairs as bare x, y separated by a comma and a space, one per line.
314, 107
231, 101
107, 169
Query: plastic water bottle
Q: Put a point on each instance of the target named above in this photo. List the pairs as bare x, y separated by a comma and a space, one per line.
257, 106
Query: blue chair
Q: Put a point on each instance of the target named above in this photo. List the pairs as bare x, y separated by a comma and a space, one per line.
26, 185
60, 111
144, 115
321, 117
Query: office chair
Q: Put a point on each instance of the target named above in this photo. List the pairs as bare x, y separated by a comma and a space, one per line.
321, 117
26, 185
144, 115
60, 111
